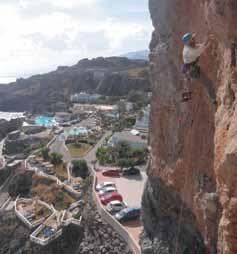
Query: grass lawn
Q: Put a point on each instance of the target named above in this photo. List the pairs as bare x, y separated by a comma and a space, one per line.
78, 150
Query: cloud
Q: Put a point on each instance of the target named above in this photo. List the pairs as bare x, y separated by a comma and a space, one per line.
37, 36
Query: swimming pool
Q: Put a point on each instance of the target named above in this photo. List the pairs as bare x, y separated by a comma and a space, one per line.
78, 131
45, 121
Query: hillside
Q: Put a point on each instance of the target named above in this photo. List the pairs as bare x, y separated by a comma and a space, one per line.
51, 91
190, 200
143, 54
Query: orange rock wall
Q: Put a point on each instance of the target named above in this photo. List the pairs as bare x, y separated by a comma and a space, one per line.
194, 145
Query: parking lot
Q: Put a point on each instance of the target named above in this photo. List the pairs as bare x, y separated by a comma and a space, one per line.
131, 189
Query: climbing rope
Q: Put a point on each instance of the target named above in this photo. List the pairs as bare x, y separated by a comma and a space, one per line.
185, 185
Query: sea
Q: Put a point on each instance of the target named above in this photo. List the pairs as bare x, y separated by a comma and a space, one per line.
10, 115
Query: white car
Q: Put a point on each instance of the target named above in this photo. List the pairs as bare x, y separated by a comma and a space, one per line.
107, 189
100, 186
115, 206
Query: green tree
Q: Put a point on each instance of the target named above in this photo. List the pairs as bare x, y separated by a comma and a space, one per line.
56, 158
125, 163
80, 168
44, 151
124, 150
139, 155
102, 155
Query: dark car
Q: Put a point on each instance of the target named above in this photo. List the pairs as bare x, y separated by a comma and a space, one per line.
111, 172
131, 171
128, 214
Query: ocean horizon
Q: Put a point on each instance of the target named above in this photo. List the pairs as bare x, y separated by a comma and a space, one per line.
10, 115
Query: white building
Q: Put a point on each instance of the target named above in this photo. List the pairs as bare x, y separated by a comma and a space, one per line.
142, 123
84, 97
135, 141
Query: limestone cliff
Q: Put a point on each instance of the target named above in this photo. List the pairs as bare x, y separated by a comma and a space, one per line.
190, 200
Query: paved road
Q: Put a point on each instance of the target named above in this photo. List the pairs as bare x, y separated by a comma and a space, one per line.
91, 156
58, 146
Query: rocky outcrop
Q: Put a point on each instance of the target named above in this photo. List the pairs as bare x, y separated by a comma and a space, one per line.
9, 126
189, 204
51, 92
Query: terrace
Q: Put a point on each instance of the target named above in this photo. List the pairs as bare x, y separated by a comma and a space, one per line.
69, 218
32, 212
50, 230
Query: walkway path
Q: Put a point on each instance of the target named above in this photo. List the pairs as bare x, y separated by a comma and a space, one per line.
91, 156
2, 159
58, 146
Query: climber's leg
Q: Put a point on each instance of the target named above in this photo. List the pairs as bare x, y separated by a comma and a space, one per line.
187, 93
208, 85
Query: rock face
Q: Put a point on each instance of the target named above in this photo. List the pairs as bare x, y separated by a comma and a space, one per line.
9, 126
51, 91
190, 201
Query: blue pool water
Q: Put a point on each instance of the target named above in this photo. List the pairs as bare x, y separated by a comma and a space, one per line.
45, 121
79, 131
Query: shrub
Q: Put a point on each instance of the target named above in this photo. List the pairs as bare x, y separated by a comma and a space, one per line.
56, 158
80, 168
44, 151
125, 163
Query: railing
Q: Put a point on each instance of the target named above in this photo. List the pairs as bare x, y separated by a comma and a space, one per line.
44, 242
114, 223
71, 190
24, 219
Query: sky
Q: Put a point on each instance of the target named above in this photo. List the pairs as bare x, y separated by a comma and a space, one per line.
39, 35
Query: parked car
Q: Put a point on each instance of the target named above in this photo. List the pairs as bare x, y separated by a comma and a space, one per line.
105, 199
131, 171
115, 206
128, 214
111, 172
104, 184
106, 190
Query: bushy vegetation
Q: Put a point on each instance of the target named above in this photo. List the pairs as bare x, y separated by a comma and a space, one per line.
56, 158
44, 152
121, 155
51, 193
80, 168
123, 123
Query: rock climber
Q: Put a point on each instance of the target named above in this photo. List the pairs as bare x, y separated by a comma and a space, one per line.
191, 69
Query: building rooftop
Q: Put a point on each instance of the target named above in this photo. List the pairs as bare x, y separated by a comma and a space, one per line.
129, 137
